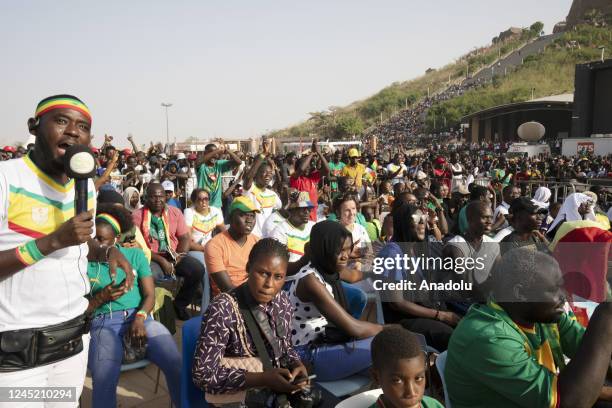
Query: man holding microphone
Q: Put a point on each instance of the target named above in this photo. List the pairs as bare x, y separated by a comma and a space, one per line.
44, 250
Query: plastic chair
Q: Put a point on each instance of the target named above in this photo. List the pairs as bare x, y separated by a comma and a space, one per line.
363, 400
440, 364
191, 396
345, 386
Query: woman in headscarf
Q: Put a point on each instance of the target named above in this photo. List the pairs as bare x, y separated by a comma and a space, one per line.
577, 206
131, 198
542, 197
415, 311
324, 333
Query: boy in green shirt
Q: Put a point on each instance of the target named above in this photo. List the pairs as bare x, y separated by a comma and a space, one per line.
399, 367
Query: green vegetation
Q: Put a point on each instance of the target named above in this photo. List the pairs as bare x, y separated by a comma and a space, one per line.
549, 73
343, 122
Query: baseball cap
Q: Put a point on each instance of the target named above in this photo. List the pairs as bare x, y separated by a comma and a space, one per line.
526, 204
299, 199
180, 156
243, 204
163, 155
9, 149
420, 175
353, 152
461, 189
192, 156
168, 185
127, 152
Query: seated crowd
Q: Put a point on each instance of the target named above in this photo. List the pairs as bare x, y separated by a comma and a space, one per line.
282, 265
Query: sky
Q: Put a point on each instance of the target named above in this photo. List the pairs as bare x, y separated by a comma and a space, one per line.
231, 69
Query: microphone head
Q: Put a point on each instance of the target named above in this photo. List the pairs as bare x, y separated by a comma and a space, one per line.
79, 162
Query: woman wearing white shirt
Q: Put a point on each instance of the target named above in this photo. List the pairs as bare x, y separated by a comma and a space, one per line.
203, 220
346, 206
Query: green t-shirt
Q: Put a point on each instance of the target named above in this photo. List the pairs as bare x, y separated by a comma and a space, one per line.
492, 362
335, 169
426, 402
373, 228
209, 178
99, 277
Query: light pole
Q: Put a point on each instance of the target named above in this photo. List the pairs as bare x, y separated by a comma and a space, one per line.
167, 105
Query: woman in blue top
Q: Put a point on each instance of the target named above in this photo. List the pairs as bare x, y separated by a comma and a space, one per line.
121, 315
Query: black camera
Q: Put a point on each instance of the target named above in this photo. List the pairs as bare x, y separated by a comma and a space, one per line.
265, 398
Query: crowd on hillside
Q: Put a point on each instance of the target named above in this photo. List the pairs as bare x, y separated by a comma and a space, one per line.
408, 123
304, 269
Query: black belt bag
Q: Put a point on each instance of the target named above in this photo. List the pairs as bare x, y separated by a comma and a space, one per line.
28, 348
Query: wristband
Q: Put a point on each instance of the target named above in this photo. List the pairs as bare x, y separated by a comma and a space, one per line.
28, 253
142, 313
437, 315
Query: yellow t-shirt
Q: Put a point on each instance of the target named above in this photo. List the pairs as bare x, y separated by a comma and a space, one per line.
354, 172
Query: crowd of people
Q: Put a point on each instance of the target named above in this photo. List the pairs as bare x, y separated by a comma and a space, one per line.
285, 256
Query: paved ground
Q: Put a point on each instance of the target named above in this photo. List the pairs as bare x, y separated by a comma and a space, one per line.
514, 59
136, 388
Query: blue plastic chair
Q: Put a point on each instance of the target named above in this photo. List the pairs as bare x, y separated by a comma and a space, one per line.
191, 396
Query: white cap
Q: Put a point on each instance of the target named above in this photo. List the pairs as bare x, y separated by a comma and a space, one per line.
168, 185
421, 175
180, 156
163, 155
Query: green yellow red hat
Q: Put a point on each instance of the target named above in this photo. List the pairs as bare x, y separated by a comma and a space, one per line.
243, 204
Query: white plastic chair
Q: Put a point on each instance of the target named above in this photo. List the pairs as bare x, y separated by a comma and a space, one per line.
363, 400
440, 364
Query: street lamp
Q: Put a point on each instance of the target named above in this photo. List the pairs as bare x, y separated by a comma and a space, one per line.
167, 105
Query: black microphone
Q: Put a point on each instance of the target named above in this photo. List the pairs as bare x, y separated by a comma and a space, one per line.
79, 164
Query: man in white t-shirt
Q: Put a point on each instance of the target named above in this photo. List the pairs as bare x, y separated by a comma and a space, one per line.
44, 250
500, 215
256, 182
397, 170
295, 230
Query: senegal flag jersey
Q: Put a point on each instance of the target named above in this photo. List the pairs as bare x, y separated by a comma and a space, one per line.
494, 362
34, 205
294, 238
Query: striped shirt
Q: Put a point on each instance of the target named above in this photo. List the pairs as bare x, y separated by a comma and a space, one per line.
33, 205
294, 238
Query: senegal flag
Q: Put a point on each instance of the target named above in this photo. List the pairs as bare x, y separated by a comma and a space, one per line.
582, 249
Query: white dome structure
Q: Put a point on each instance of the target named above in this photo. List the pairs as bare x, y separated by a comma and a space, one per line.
531, 131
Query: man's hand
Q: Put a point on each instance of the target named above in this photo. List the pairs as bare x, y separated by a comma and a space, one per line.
315, 146
264, 147
107, 138
130, 139
166, 267
111, 293
138, 334
116, 259
449, 318
75, 231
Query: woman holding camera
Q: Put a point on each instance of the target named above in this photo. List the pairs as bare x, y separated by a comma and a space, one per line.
224, 334
122, 318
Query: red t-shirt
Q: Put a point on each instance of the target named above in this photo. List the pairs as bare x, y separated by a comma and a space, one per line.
309, 184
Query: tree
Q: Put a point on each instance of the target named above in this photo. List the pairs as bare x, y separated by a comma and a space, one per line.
348, 126
536, 28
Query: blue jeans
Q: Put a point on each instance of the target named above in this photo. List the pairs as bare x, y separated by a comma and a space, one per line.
356, 299
106, 354
199, 255
336, 361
